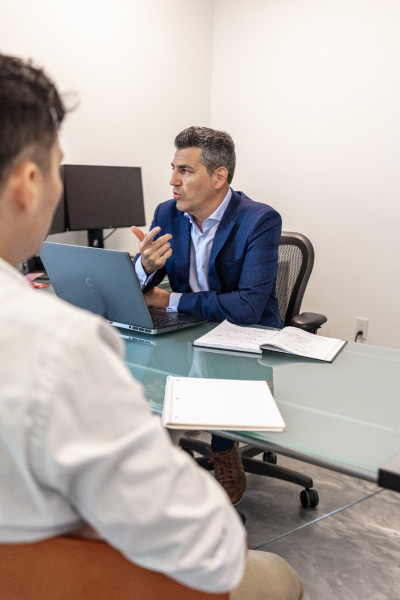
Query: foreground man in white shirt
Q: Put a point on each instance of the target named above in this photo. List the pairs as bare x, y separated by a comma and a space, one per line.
78, 443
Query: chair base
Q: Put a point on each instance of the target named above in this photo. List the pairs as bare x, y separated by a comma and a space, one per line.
309, 497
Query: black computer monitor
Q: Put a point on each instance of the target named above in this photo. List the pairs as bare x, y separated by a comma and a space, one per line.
100, 197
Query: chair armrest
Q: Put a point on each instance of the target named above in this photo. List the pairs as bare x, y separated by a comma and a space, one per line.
308, 321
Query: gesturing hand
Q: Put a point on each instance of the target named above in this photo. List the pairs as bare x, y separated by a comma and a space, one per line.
154, 255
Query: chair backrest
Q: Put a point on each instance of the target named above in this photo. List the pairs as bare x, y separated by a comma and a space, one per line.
296, 260
66, 568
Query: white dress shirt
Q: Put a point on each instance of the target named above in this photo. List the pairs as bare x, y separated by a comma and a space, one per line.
200, 251
78, 443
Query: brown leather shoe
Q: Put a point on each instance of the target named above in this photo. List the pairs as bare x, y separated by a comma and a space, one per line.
228, 470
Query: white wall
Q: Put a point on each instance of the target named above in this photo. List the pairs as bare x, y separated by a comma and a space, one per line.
141, 70
310, 91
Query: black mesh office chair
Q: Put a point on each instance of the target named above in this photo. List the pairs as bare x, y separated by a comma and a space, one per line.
295, 263
296, 260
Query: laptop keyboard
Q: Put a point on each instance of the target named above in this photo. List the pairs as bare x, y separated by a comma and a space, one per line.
166, 321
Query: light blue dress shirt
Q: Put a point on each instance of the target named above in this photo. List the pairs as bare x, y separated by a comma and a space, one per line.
200, 252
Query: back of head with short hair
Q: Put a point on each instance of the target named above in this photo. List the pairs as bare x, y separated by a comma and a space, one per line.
217, 148
31, 112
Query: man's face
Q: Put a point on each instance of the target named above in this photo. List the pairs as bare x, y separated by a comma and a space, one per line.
50, 190
194, 189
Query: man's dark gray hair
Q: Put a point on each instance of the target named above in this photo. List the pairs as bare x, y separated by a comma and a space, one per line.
217, 148
31, 112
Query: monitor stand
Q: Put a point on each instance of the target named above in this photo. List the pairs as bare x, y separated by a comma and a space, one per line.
95, 238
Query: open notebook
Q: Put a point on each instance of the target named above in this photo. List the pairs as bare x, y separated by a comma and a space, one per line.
289, 340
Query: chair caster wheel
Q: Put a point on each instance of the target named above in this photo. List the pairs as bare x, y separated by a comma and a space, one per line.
270, 457
309, 498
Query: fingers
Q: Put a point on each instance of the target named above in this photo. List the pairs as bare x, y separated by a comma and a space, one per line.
138, 232
154, 258
148, 239
161, 243
167, 253
154, 254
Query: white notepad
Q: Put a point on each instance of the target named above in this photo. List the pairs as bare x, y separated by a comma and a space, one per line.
224, 404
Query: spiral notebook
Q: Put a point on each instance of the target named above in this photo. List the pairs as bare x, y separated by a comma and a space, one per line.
224, 404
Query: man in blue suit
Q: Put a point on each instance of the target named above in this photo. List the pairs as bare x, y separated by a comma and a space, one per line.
219, 249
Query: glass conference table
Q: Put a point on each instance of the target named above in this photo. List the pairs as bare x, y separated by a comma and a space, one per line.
344, 416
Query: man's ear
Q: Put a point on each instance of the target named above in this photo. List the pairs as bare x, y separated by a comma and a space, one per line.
23, 184
221, 175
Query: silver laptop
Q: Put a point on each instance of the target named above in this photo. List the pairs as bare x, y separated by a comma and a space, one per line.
105, 283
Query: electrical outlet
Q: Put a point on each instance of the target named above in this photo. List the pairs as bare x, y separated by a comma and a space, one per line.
361, 325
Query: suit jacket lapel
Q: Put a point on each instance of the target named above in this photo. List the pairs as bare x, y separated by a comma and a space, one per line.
181, 253
222, 234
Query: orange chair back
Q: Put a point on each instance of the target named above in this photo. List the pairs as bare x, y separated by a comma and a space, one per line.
67, 568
